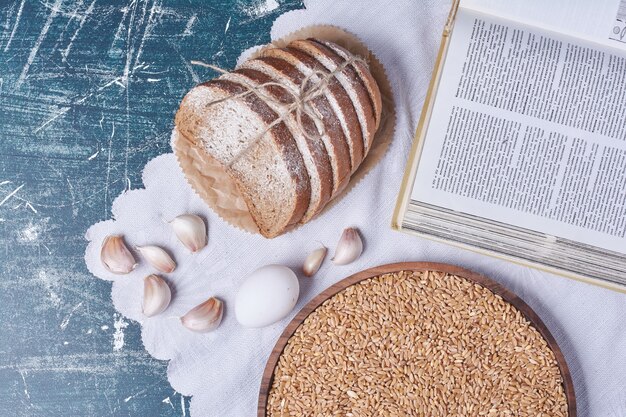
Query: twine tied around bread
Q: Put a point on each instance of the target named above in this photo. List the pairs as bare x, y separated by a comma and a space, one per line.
301, 100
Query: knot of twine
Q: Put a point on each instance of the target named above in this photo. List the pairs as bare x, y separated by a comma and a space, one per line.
300, 100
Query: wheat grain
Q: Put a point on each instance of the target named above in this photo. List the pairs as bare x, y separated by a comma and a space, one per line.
417, 344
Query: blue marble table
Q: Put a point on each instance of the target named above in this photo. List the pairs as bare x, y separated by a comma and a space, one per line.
88, 90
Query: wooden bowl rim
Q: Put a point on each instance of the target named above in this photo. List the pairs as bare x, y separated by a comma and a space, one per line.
495, 287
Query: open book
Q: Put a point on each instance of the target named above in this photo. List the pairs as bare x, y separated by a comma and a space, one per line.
521, 147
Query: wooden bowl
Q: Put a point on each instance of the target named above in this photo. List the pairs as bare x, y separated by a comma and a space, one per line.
527, 312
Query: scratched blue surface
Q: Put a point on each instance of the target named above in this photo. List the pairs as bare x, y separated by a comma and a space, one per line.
88, 90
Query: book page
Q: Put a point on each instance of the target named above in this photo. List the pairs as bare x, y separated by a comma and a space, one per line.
529, 129
602, 21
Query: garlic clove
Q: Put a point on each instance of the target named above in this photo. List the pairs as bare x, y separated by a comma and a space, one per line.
349, 247
115, 255
191, 231
313, 262
156, 295
158, 258
204, 317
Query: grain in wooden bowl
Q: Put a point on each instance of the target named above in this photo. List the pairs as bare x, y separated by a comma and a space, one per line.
419, 343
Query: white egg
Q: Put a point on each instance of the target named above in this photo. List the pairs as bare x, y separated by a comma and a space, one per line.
266, 296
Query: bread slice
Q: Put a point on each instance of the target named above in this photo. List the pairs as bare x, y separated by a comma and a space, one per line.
349, 80
314, 153
366, 77
332, 136
269, 172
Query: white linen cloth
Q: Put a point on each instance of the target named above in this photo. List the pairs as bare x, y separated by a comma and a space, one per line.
222, 370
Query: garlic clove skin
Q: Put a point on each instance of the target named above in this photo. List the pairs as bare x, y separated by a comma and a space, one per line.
191, 231
115, 255
313, 262
204, 317
349, 247
156, 295
158, 258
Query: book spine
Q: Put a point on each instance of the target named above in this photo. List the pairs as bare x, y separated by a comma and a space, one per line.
447, 29
411, 166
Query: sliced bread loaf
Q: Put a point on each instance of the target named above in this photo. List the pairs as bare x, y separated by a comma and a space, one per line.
289, 127
269, 171
349, 80
314, 153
